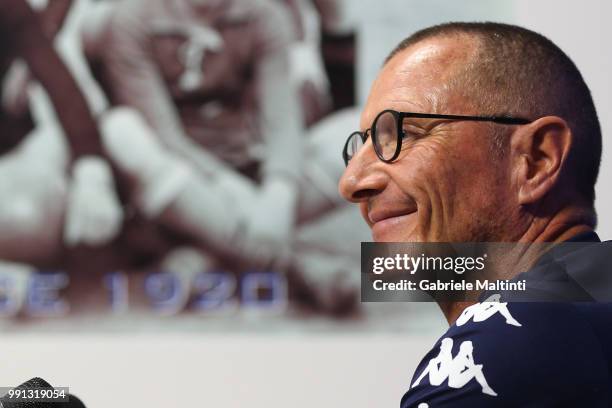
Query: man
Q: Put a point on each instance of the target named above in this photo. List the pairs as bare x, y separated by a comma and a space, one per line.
518, 163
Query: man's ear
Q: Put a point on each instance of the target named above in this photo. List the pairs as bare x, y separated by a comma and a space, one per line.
539, 150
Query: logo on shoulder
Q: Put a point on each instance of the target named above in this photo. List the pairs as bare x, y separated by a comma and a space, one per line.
482, 311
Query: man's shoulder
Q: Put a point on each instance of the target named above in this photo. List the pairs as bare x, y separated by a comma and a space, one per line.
499, 354
493, 316
545, 329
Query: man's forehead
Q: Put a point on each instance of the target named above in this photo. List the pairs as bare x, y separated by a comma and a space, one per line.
415, 79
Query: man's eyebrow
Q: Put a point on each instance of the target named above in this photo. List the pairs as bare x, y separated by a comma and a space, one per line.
425, 124
416, 121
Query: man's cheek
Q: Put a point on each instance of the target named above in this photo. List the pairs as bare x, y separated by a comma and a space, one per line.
423, 184
434, 198
417, 154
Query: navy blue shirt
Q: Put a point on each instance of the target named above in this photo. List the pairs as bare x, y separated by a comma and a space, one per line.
524, 354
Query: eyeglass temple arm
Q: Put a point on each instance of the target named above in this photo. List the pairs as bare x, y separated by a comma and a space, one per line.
497, 119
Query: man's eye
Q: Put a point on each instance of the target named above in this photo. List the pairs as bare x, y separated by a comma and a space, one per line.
411, 134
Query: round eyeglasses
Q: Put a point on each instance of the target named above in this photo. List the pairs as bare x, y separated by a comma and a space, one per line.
387, 132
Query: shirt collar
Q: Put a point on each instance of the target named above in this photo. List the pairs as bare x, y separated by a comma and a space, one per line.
590, 236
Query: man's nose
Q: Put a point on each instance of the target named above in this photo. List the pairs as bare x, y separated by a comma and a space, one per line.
363, 177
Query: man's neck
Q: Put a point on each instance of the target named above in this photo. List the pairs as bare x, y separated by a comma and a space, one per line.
561, 227
452, 310
564, 225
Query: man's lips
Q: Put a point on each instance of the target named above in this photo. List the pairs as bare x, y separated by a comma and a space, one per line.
376, 216
384, 222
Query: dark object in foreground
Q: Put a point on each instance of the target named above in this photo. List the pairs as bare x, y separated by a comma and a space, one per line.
37, 383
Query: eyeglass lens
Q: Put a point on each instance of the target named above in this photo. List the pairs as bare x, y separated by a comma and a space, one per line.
385, 135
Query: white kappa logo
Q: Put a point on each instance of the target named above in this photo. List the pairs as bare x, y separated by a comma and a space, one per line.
482, 311
459, 370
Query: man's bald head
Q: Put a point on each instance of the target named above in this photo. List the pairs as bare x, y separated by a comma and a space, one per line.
517, 72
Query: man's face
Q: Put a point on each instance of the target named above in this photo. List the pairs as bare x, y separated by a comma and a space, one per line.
446, 184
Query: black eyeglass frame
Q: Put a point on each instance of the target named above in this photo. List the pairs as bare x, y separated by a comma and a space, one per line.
399, 119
